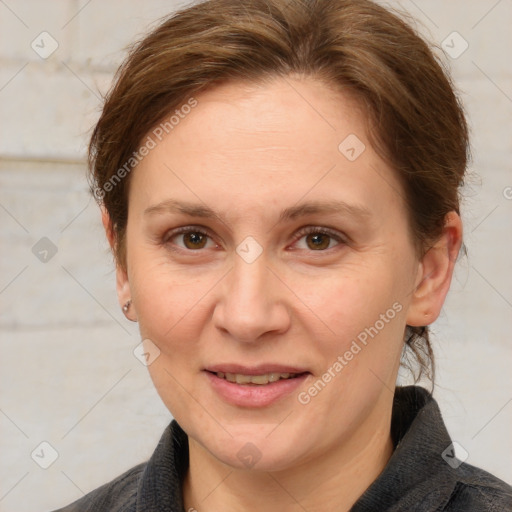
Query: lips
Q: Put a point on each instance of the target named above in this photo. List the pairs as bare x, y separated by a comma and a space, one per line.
254, 386
255, 375
259, 380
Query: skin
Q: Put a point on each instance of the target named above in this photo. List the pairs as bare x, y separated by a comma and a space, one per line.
248, 152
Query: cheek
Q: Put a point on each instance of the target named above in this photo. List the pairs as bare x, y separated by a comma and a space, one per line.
171, 303
361, 358
358, 321
346, 301
172, 310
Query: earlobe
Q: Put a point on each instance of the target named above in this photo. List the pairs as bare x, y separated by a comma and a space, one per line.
435, 273
124, 294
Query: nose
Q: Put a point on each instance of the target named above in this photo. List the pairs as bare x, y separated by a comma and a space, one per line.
252, 302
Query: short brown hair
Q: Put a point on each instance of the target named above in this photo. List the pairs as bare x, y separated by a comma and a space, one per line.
415, 120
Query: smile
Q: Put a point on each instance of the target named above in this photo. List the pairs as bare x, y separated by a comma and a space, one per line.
254, 387
259, 380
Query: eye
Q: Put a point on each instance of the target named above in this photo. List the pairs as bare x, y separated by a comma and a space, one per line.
190, 238
317, 239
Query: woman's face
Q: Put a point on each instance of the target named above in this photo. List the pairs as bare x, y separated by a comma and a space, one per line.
266, 237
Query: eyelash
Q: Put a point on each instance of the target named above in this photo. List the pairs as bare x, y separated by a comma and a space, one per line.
307, 230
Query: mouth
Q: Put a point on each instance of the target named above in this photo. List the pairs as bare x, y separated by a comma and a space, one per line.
256, 386
257, 380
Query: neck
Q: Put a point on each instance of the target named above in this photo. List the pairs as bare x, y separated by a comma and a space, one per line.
333, 480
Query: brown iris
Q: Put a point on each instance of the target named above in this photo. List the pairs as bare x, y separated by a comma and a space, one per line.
318, 241
194, 240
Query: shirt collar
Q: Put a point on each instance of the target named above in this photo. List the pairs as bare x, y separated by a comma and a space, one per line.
416, 472
160, 487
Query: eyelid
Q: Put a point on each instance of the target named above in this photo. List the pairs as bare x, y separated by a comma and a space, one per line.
187, 229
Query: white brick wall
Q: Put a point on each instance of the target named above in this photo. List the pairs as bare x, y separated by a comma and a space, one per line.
65, 344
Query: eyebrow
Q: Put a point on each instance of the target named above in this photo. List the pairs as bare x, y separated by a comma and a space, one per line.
173, 206
300, 210
316, 207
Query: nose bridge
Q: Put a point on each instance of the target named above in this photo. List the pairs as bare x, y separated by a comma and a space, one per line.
248, 281
250, 304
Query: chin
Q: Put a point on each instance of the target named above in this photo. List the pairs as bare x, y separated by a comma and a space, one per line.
258, 455
256, 447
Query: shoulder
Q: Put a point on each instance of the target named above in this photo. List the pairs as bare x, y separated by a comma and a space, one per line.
477, 490
147, 486
424, 473
119, 495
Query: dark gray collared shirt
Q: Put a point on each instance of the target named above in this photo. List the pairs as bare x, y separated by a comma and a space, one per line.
422, 475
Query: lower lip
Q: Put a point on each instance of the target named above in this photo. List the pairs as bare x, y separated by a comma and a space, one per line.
254, 395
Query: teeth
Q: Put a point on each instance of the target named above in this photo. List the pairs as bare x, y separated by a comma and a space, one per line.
242, 379
254, 379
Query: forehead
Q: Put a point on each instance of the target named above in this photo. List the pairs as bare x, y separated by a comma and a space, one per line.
249, 146
302, 115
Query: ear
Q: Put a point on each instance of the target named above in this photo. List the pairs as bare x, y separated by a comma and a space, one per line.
122, 282
435, 273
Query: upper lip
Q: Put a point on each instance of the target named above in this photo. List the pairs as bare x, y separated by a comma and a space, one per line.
260, 369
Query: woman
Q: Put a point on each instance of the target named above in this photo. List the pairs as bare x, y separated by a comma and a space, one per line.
279, 184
